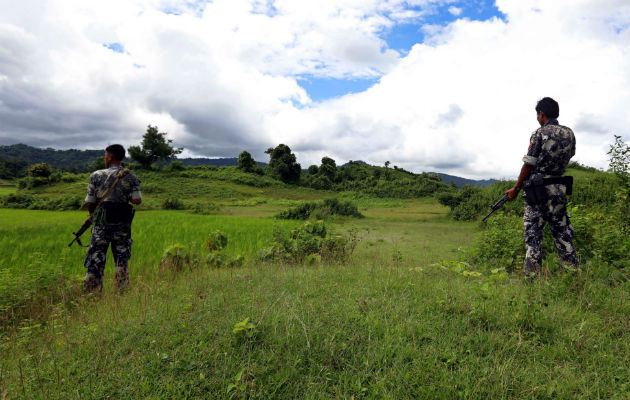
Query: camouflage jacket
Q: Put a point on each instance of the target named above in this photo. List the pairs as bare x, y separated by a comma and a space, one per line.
127, 188
550, 148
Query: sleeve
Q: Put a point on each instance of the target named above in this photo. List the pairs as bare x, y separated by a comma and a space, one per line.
91, 191
535, 145
135, 188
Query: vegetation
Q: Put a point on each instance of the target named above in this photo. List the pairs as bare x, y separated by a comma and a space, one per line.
153, 148
283, 164
70, 160
411, 301
599, 214
246, 163
320, 210
11, 169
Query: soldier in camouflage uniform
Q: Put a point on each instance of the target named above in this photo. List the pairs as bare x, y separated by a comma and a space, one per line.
550, 149
114, 224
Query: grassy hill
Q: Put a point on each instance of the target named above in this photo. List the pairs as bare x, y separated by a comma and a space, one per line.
412, 303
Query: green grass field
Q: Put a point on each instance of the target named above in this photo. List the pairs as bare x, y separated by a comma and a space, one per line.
6, 189
405, 317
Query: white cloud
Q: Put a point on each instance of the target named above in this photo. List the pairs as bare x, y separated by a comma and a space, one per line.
456, 11
222, 77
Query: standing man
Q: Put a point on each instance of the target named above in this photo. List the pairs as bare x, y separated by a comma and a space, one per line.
109, 193
550, 148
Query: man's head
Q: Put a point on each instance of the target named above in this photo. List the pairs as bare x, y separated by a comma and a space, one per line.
114, 154
547, 109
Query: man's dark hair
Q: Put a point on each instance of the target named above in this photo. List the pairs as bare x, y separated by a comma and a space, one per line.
549, 106
117, 151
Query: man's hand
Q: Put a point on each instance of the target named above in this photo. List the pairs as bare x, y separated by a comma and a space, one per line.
512, 193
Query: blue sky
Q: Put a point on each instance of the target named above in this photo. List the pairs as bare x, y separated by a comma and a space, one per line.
216, 75
401, 38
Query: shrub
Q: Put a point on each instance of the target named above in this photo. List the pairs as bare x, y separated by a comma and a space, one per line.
204, 208
20, 200
30, 182
310, 244
175, 257
302, 211
216, 241
17, 200
500, 244
596, 240
177, 166
173, 204
320, 210
41, 170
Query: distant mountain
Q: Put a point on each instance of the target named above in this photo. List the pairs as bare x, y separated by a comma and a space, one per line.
460, 182
65, 159
79, 159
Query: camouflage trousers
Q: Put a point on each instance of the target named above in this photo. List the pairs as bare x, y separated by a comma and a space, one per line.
102, 235
553, 212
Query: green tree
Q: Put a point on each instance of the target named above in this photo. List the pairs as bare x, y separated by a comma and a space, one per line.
10, 168
98, 163
313, 169
620, 158
155, 147
620, 165
246, 162
40, 170
328, 168
283, 164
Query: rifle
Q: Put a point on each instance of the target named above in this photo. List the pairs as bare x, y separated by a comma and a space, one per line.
496, 206
88, 222
83, 228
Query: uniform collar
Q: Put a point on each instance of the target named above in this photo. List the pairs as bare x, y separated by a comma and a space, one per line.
115, 167
552, 122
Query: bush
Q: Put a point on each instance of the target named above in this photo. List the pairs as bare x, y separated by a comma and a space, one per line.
30, 182
177, 166
597, 241
173, 204
204, 208
41, 170
175, 258
309, 244
216, 241
20, 200
500, 244
320, 210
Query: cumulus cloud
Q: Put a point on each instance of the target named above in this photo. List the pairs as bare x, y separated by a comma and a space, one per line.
223, 76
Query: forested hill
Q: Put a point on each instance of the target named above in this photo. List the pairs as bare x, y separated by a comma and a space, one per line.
56, 158
79, 160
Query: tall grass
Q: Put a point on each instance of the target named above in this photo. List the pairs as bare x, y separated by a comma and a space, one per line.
34, 253
359, 331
